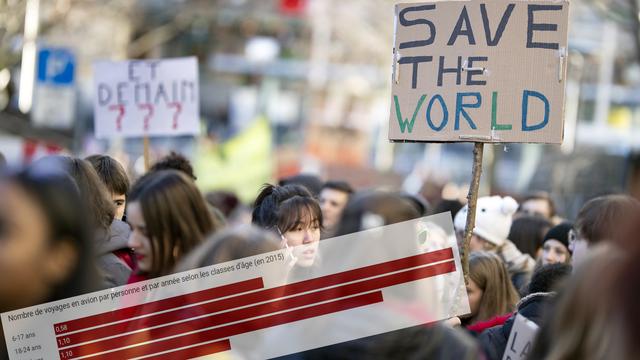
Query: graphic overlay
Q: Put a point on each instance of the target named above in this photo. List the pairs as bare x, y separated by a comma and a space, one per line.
371, 282
146, 98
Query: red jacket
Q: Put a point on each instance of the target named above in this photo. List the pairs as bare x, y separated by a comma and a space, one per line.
136, 277
481, 326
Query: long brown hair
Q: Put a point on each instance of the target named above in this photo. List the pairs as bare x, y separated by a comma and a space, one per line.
176, 216
491, 276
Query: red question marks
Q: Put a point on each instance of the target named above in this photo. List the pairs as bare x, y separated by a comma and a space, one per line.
178, 108
120, 109
148, 115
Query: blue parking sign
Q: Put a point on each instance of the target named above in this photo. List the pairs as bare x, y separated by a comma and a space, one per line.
56, 66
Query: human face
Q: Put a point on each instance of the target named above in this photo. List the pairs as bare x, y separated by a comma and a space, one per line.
475, 297
477, 244
332, 202
537, 207
304, 239
119, 201
139, 239
553, 251
578, 246
31, 263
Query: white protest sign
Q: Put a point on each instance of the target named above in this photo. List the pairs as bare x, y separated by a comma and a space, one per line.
146, 97
521, 339
259, 307
479, 71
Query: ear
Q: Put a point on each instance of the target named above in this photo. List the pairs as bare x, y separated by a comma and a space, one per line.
60, 261
509, 205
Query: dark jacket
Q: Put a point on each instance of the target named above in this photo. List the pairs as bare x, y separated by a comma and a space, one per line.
494, 340
419, 342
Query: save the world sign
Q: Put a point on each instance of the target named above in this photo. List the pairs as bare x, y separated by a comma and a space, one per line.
479, 71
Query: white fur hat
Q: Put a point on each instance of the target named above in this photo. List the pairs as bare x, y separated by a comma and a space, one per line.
494, 215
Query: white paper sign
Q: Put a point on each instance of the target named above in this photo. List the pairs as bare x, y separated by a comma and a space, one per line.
146, 97
521, 339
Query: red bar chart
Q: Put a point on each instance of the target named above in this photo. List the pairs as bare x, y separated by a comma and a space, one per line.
202, 322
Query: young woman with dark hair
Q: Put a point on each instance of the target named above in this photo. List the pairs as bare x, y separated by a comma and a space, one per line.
295, 215
44, 240
527, 234
115, 260
169, 218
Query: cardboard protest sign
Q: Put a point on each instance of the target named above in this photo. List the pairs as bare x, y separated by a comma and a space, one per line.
480, 71
146, 97
521, 339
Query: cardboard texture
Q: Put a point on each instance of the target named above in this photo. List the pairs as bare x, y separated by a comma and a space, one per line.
479, 71
521, 339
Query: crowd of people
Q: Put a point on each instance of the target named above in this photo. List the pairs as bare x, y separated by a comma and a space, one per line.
69, 226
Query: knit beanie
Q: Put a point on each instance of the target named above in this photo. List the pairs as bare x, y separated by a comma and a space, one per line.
494, 215
560, 233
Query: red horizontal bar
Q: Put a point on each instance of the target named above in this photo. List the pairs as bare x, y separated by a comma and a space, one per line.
196, 351
267, 308
255, 297
235, 329
164, 304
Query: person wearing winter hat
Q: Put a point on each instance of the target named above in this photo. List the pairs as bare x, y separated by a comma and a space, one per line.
494, 215
555, 248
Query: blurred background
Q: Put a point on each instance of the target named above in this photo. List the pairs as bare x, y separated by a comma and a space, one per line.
290, 86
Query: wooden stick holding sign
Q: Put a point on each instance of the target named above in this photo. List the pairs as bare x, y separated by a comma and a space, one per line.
145, 152
145, 140
472, 201
479, 71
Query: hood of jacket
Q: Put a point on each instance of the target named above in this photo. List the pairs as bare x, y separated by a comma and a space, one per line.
531, 307
115, 239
